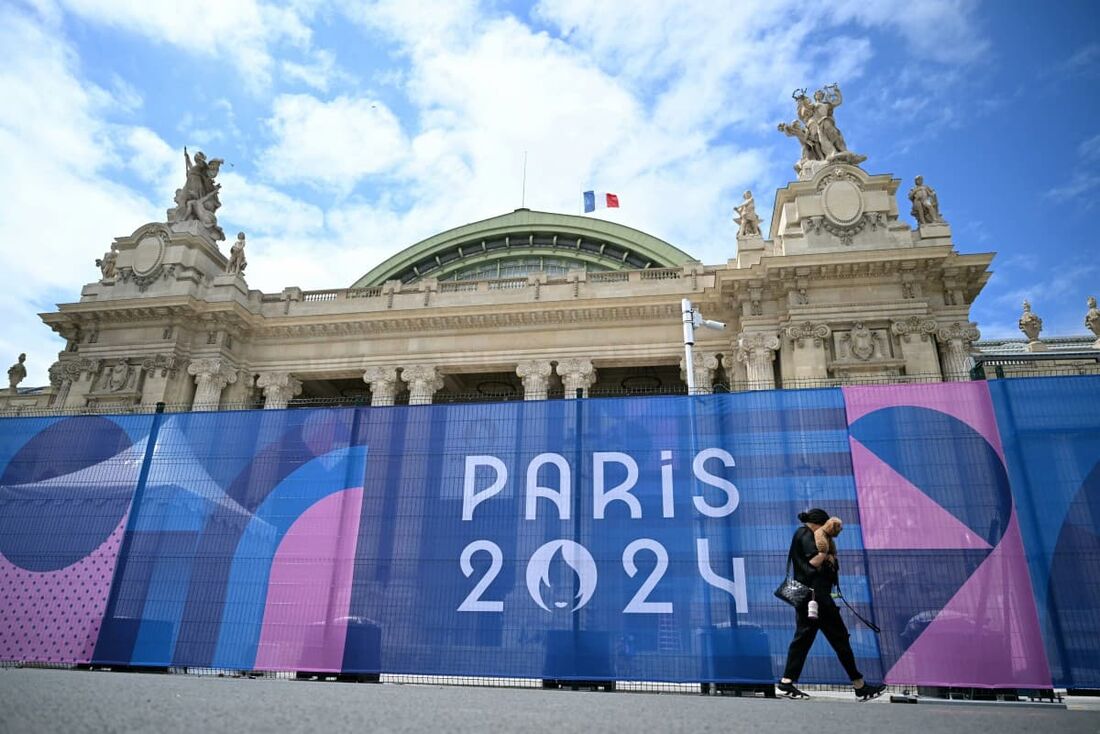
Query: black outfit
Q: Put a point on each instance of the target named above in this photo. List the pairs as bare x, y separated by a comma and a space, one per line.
829, 621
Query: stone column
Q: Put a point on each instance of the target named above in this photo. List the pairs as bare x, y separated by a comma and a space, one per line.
576, 374
211, 377
757, 351
535, 374
809, 365
423, 381
915, 334
279, 388
80, 375
383, 384
955, 342
705, 365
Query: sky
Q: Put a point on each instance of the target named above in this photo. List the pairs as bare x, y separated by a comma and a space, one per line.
354, 129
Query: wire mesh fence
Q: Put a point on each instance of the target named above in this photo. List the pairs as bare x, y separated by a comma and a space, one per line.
610, 542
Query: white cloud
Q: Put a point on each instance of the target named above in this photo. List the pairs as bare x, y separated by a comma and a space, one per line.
242, 31
61, 210
333, 143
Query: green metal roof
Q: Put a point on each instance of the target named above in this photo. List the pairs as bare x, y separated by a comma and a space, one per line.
587, 242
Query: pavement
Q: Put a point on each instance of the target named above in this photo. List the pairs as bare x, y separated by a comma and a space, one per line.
44, 700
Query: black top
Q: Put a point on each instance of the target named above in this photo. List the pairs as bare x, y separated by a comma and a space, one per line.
803, 548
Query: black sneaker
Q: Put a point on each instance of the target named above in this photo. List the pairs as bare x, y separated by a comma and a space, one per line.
869, 691
789, 690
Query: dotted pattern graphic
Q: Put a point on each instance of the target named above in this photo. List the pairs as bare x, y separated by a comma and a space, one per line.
54, 616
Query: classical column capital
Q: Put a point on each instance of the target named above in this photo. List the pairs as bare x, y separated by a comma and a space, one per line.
704, 364
956, 339
757, 350
808, 333
383, 384
914, 326
756, 346
279, 388
958, 334
423, 381
576, 374
211, 377
535, 374
215, 370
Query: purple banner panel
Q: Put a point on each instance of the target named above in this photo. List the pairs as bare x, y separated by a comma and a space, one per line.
946, 561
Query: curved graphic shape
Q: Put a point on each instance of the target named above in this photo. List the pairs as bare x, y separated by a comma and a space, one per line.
947, 460
249, 573
576, 557
55, 616
52, 523
1069, 601
305, 618
945, 554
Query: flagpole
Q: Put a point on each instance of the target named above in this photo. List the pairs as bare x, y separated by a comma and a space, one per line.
523, 193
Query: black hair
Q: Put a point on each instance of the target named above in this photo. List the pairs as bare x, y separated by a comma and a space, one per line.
817, 516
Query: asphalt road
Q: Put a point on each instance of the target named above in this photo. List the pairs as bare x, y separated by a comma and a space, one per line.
33, 700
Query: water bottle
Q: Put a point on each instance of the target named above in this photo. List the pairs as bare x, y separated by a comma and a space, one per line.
811, 609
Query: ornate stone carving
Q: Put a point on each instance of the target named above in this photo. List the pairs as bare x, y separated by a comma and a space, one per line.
17, 373
144, 280
237, 262
576, 374
748, 222
801, 333
816, 129
117, 377
106, 264
198, 199
914, 326
757, 351
956, 340
383, 384
279, 388
423, 381
926, 205
57, 374
211, 377
535, 374
1031, 325
704, 365
167, 364
1092, 321
860, 341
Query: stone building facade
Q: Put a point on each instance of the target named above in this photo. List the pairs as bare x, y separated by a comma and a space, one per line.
535, 305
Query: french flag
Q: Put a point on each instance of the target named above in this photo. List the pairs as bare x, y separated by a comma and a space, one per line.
594, 200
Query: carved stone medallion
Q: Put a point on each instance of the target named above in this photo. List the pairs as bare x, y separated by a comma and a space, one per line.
149, 253
842, 202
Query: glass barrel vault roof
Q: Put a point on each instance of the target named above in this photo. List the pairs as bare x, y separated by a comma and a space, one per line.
526, 241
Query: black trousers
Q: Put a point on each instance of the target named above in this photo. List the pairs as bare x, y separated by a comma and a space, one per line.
831, 623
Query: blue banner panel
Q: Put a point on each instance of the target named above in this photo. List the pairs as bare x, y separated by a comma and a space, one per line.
1051, 432
597, 539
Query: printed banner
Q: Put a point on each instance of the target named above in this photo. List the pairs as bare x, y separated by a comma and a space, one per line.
602, 539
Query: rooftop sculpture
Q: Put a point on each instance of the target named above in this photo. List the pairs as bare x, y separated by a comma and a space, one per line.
816, 129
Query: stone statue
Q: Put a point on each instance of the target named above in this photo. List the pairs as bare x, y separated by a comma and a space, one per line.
1030, 324
748, 222
118, 376
107, 263
926, 205
16, 373
1092, 320
198, 199
816, 130
237, 262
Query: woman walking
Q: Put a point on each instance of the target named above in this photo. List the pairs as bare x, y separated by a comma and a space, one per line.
818, 570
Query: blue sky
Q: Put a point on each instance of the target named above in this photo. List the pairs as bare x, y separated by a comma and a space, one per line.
354, 129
